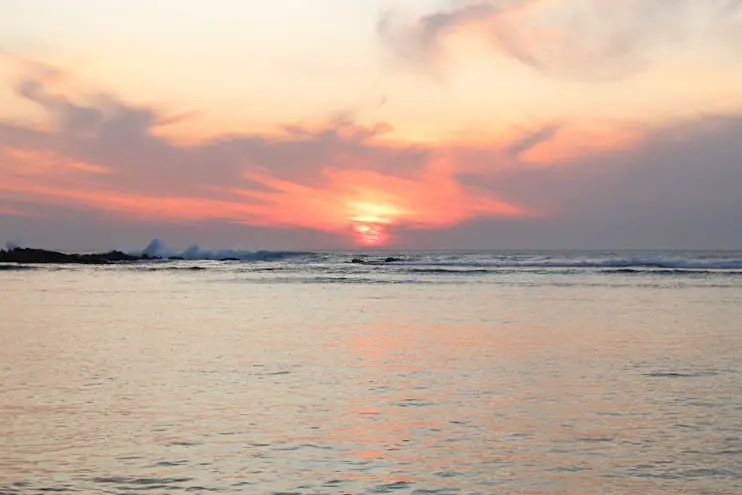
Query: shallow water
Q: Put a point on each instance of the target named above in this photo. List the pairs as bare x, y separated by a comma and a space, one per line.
322, 378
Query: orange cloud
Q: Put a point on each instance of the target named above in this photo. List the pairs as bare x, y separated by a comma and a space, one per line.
363, 203
583, 141
7, 210
368, 202
341, 178
137, 206
36, 162
103, 159
357, 202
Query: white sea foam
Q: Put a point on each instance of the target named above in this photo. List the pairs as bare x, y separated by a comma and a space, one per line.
472, 261
156, 249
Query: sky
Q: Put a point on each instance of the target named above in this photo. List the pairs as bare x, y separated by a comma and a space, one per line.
334, 124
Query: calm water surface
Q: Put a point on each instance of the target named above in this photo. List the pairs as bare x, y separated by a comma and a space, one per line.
274, 379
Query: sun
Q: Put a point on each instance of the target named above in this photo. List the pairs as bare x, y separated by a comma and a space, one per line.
371, 221
370, 234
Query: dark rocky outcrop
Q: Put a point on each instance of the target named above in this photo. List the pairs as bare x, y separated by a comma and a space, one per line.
28, 256
362, 261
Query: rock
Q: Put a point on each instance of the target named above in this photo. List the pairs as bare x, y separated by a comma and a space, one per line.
358, 260
109, 257
28, 255
391, 259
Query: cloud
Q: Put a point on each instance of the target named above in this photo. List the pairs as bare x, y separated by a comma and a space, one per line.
532, 140
100, 172
676, 187
7, 210
583, 39
420, 43
102, 155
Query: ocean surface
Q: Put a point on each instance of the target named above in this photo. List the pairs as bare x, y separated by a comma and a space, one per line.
431, 373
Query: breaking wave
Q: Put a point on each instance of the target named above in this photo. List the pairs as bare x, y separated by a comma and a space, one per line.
156, 249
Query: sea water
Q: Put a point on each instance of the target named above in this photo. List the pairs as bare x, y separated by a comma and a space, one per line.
402, 373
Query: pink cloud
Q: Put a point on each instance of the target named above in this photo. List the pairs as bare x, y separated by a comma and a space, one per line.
103, 162
337, 178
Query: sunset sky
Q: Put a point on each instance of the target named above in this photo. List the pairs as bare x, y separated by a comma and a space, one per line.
318, 124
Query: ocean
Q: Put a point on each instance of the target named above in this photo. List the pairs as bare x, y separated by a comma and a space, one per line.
402, 373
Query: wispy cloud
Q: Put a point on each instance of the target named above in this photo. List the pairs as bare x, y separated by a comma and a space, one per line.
586, 39
8, 210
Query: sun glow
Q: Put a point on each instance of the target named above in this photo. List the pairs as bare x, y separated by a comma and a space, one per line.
371, 222
370, 234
